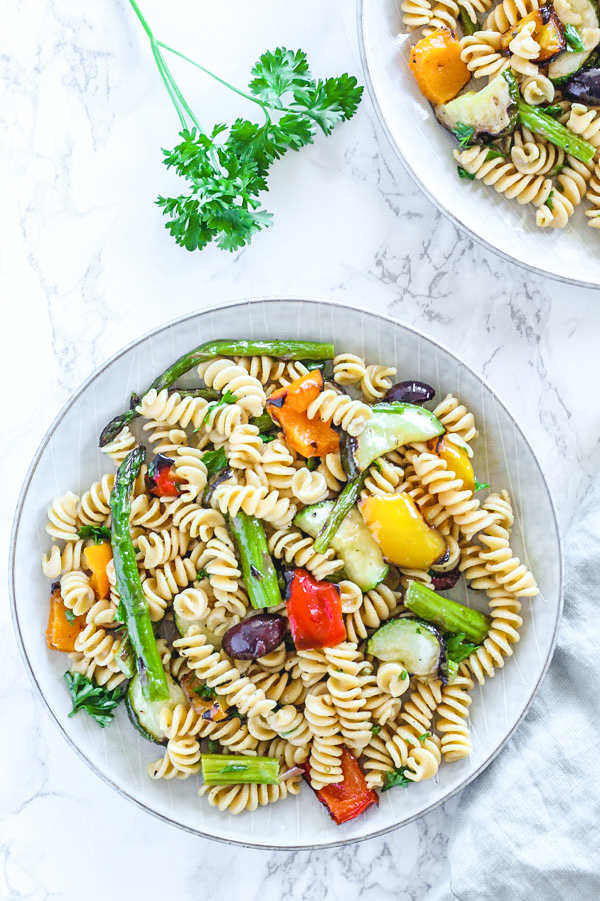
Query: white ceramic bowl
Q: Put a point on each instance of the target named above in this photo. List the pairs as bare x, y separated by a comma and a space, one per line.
68, 458
570, 254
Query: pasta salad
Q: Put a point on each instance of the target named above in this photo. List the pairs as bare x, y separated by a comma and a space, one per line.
262, 581
518, 84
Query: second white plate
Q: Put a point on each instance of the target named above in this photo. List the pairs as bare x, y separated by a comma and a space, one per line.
571, 254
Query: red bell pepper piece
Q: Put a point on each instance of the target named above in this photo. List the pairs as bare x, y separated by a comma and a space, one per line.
315, 612
161, 477
349, 798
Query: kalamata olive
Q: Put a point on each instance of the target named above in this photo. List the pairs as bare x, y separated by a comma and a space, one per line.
584, 87
255, 636
410, 392
445, 581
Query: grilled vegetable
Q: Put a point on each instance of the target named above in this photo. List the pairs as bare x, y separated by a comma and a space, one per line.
315, 612
490, 112
448, 615
202, 699
288, 406
62, 629
563, 68
353, 543
553, 131
391, 426
417, 645
342, 506
133, 601
548, 33
160, 478
145, 714
259, 573
457, 459
283, 350
97, 558
255, 636
349, 798
584, 87
436, 64
234, 769
402, 532
410, 392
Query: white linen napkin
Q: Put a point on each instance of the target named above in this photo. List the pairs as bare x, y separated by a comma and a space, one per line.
529, 826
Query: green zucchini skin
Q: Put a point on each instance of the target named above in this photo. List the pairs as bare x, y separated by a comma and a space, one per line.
144, 714
564, 67
390, 427
353, 543
417, 645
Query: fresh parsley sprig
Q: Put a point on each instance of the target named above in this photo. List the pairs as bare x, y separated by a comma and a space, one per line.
226, 169
96, 700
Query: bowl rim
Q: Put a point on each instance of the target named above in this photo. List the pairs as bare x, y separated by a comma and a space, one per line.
528, 267
15, 616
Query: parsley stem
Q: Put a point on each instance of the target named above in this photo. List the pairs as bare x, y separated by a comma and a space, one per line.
160, 63
212, 74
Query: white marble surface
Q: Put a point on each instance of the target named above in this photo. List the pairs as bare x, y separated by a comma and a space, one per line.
86, 266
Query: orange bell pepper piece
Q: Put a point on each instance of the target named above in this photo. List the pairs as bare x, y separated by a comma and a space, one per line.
288, 405
97, 556
61, 634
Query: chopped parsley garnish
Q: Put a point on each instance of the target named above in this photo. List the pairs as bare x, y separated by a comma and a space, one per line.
98, 533
424, 736
395, 777
463, 133
215, 461
457, 649
480, 486
70, 615
462, 173
97, 701
227, 398
375, 729
494, 154
205, 692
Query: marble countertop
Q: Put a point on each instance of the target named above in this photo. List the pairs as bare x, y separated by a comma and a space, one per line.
86, 266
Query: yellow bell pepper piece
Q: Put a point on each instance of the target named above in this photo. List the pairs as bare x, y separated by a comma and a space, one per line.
402, 532
457, 459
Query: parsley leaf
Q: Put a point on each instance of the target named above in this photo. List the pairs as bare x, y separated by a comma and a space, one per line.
480, 486
69, 615
573, 39
279, 72
553, 110
215, 461
98, 533
424, 736
457, 649
227, 398
205, 692
375, 730
462, 173
493, 154
96, 700
202, 574
463, 133
395, 777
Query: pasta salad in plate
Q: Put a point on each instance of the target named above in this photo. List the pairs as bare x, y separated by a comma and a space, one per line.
518, 84
262, 580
